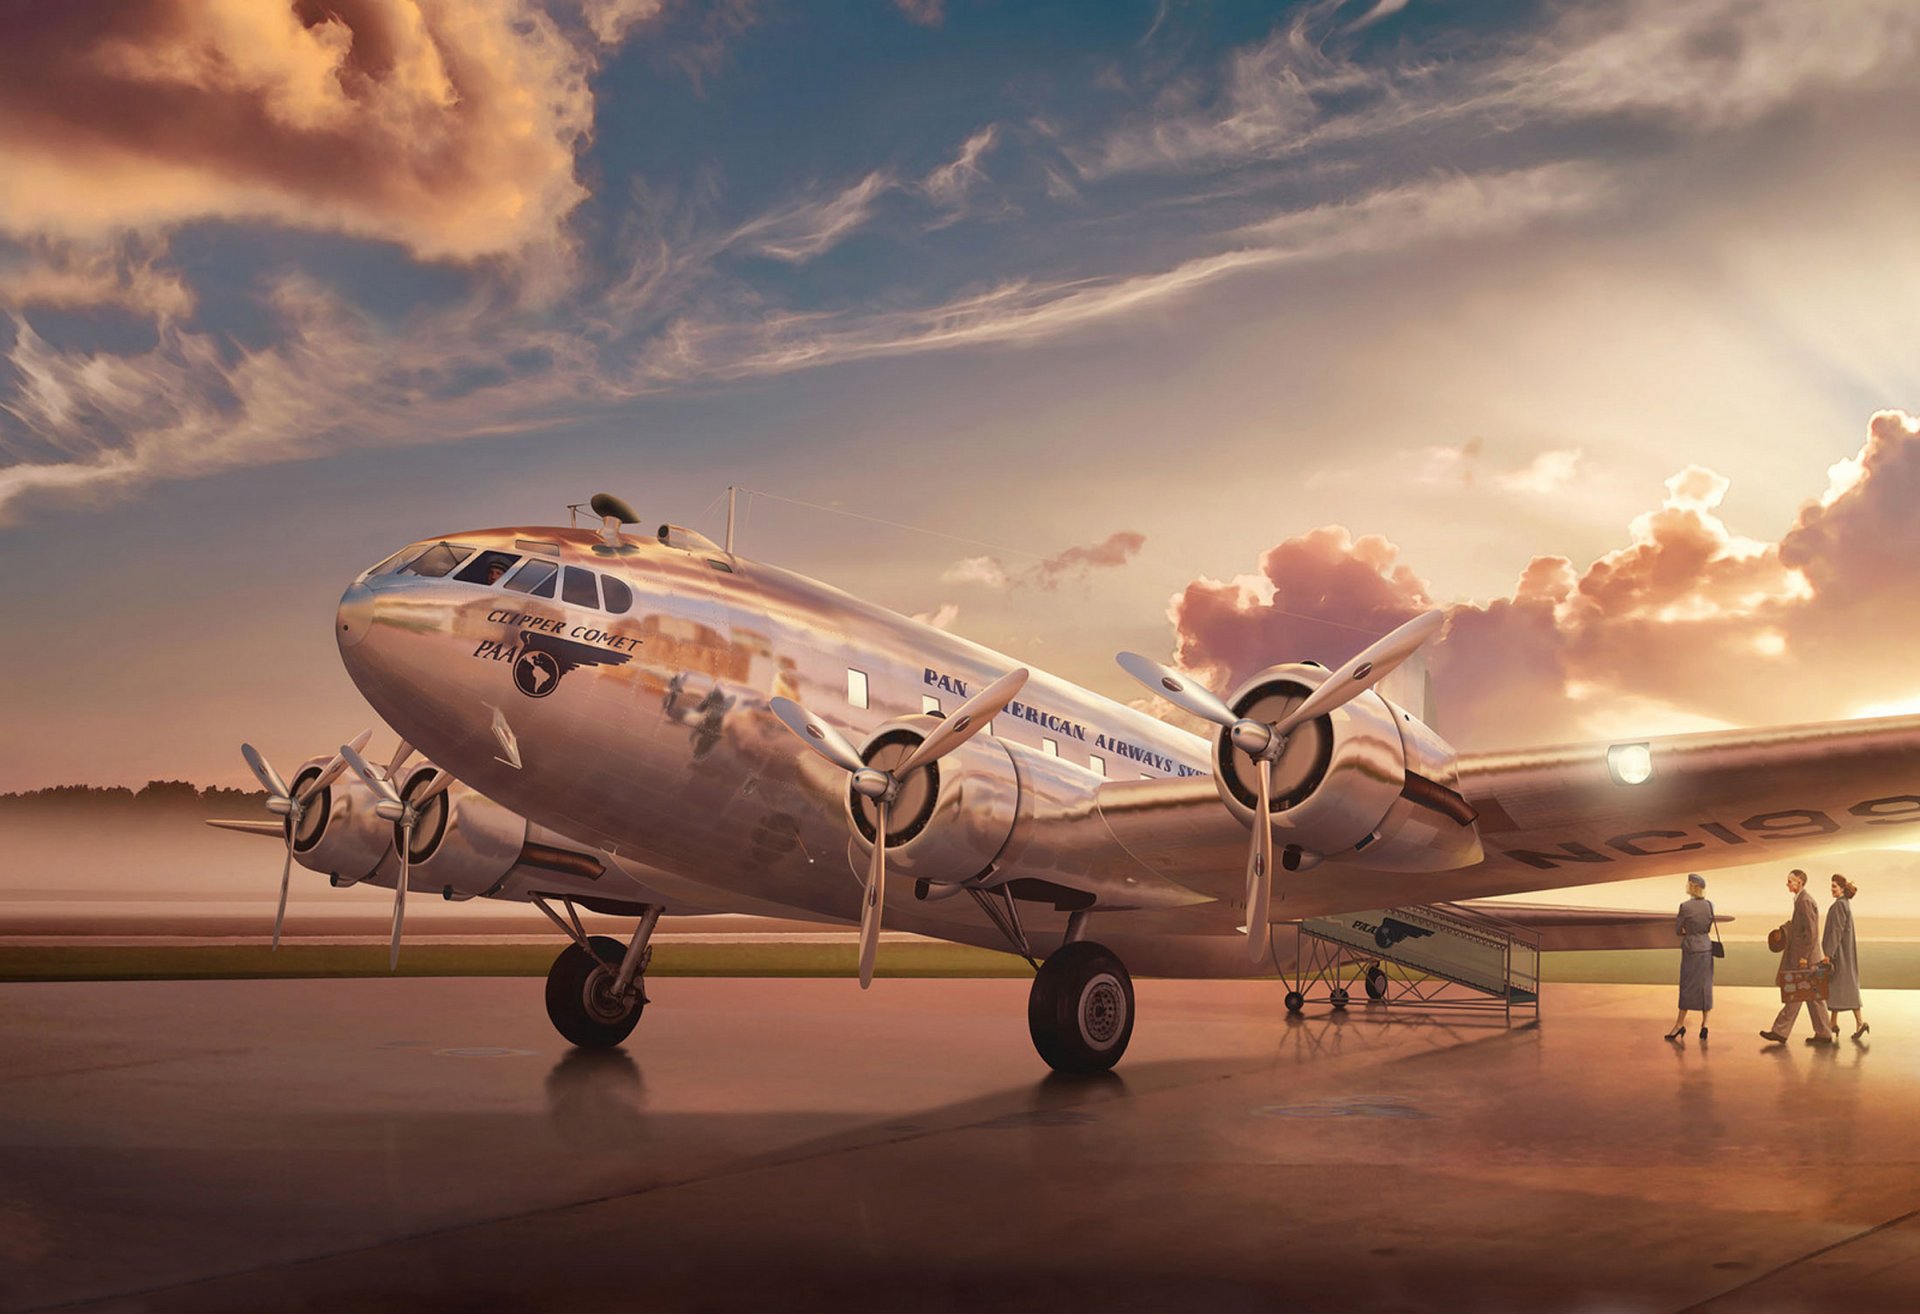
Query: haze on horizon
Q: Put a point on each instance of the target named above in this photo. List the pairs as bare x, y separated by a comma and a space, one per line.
1229, 332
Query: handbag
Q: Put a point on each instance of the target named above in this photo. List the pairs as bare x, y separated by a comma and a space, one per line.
1719, 945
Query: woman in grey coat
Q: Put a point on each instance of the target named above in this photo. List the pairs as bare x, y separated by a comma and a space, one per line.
1694, 926
1843, 988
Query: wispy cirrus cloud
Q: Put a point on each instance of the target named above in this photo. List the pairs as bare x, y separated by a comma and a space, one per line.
1695, 65
1048, 573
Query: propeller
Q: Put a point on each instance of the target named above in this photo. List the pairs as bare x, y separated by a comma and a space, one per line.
404, 812
883, 787
283, 802
1265, 743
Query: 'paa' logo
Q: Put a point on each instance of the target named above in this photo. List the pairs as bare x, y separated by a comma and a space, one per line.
544, 658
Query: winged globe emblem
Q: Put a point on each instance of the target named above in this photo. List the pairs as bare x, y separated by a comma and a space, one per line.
545, 658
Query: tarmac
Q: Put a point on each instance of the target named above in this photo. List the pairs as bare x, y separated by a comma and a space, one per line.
795, 1144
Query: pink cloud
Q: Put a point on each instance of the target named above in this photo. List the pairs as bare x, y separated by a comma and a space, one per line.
449, 128
1687, 615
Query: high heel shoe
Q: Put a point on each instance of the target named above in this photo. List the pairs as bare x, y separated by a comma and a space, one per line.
1703, 1033
1678, 1033
1864, 1028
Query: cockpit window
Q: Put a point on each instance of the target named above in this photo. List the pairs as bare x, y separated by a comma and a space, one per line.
535, 578
488, 567
394, 562
579, 589
438, 560
619, 596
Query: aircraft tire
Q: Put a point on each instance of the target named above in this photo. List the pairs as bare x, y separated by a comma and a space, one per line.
1080, 1012
579, 999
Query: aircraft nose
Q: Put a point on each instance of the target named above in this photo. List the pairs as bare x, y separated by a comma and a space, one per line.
355, 616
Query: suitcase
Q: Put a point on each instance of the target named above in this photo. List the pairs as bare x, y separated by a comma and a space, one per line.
1800, 985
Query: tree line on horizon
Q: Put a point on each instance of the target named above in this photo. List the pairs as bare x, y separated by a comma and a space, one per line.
154, 795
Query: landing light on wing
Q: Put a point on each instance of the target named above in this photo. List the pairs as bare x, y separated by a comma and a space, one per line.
1630, 764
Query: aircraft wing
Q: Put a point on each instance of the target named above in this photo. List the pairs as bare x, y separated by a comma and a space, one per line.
1558, 927
1551, 818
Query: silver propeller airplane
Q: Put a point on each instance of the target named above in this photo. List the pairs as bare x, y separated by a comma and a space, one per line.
640, 724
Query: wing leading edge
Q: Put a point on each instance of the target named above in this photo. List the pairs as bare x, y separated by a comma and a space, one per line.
1552, 818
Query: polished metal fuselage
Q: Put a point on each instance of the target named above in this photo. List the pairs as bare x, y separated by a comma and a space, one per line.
669, 760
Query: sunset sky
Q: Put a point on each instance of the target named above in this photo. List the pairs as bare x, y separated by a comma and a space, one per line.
1179, 326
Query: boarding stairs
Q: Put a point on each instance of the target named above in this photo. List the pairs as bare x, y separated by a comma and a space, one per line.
1442, 956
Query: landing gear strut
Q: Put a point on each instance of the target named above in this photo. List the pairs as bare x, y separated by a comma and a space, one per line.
596, 988
1081, 1010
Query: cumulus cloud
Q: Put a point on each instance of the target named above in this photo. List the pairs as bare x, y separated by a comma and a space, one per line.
1074, 563
448, 128
1687, 623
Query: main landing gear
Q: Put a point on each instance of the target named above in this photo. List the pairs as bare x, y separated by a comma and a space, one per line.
1081, 1008
596, 988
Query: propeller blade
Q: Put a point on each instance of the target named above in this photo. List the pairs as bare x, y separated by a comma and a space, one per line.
1363, 671
876, 894
1260, 867
263, 771
379, 784
817, 734
400, 894
1177, 689
435, 787
331, 772
400, 755
286, 873
973, 716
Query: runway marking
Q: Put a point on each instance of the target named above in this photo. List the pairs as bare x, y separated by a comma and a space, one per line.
1831, 1246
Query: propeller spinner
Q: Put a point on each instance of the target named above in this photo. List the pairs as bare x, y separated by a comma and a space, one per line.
1264, 743
883, 787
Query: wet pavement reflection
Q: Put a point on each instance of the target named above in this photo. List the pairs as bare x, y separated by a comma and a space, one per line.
376, 1144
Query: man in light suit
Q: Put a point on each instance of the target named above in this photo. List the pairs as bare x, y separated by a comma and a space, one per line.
1802, 949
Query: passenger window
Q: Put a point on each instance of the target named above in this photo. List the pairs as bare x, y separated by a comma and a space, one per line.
856, 688
438, 560
619, 596
578, 590
1051, 747
535, 578
1098, 763
488, 568
929, 705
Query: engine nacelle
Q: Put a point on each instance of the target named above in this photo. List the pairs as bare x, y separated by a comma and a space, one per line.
339, 834
953, 817
464, 843
1365, 783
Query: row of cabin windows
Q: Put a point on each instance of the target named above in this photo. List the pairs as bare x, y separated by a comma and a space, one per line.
929, 705
534, 576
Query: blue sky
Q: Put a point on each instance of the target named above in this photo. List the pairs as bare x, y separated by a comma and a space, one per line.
287, 288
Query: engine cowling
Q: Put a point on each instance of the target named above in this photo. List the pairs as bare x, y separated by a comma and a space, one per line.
464, 843
339, 833
1353, 785
952, 817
